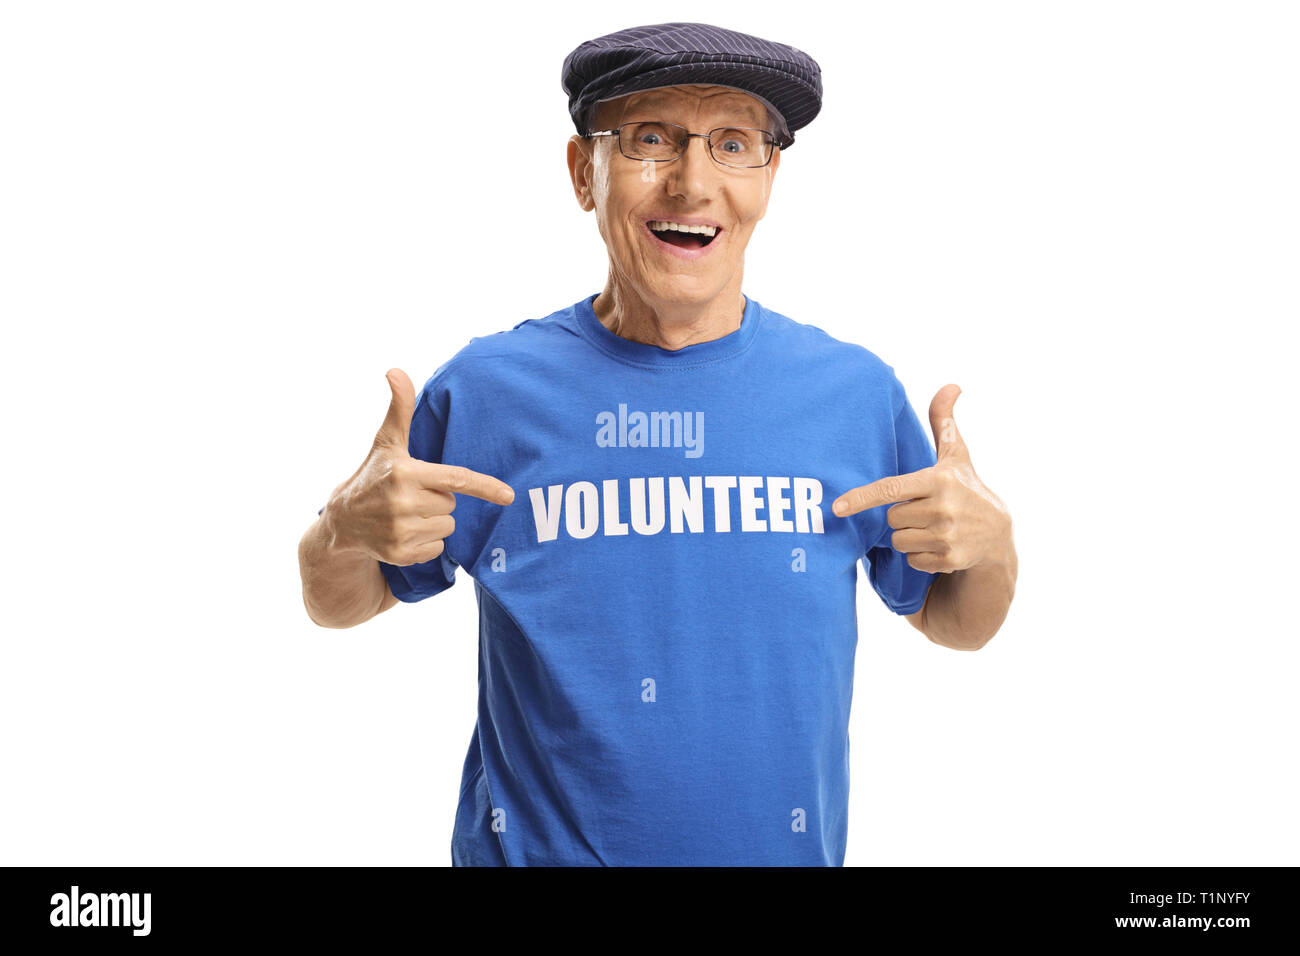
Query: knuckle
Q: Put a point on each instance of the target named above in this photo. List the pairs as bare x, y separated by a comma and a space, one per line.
433, 551
389, 485
404, 472
393, 527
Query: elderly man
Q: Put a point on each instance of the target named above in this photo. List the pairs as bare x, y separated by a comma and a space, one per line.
667, 608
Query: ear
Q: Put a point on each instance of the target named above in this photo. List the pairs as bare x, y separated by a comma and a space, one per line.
581, 170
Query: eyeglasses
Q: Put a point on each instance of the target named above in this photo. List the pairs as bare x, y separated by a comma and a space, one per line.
736, 146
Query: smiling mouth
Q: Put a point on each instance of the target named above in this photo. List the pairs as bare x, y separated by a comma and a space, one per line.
682, 239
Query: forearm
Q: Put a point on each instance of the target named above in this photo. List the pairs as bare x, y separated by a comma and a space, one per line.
966, 608
340, 589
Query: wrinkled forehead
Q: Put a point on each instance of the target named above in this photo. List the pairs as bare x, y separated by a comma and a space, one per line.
729, 101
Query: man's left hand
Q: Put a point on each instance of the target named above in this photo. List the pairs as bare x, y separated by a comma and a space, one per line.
949, 520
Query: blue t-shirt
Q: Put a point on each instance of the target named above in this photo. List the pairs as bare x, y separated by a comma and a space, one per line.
667, 609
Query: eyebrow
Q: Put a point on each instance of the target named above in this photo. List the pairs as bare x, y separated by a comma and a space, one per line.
654, 101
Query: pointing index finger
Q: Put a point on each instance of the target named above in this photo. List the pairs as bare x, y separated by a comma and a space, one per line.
464, 481
892, 488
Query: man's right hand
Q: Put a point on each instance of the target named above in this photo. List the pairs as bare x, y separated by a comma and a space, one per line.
395, 508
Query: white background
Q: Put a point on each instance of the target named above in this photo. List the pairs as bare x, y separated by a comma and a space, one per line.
223, 222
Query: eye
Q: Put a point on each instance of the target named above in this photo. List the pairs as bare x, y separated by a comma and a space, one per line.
655, 135
734, 141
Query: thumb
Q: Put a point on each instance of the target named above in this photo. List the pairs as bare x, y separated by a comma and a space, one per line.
948, 443
395, 432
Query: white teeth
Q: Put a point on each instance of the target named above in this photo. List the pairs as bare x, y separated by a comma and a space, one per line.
660, 225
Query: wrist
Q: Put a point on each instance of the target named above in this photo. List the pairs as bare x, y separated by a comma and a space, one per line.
1003, 557
332, 538
1000, 571
1000, 561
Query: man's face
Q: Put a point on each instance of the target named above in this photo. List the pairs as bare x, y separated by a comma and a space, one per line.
628, 194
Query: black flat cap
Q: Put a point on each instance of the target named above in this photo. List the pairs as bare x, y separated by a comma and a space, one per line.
783, 78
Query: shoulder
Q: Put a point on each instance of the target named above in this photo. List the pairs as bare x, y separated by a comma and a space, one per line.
494, 355
524, 338
815, 348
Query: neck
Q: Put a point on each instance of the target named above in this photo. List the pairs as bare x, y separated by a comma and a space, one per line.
671, 324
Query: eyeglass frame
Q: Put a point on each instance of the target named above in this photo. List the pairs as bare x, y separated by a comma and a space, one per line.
681, 150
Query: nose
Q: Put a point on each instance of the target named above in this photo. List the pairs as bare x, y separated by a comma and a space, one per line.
690, 170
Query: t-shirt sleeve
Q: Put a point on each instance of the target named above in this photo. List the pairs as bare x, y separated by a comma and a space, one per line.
902, 587
428, 431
